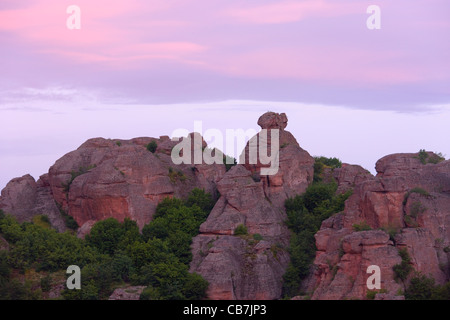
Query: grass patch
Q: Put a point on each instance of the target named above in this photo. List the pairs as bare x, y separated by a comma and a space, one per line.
42, 221
240, 230
176, 175
363, 226
75, 174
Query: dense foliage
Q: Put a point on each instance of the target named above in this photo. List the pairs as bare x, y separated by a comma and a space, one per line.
305, 215
320, 163
113, 254
152, 146
422, 287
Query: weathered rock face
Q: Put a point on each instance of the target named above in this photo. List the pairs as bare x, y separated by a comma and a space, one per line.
117, 178
246, 267
407, 205
407, 199
127, 293
296, 166
242, 267
348, 176
109, 178
26, 198
19, 196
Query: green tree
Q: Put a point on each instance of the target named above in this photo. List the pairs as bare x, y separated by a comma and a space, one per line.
106, 235
305, 215
200, 198
195, 287
421, 287
152, 146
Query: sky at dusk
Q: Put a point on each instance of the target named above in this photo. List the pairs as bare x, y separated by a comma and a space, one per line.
146, 68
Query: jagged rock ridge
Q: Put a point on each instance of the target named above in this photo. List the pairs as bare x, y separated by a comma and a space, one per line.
122, 178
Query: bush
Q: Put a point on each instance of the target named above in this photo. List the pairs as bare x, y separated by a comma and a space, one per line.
363, 226
436, 158
421, 287
402, 270
370, 295
46, 283
419, 191
425, 158
175, 175
329, 162
422, 155
240, 230
229, 162
195, 287
201, 199
317, 194
42, 220
323, 162
111, 254
75, 174
105, 235
152, 146
417, 208
257, 237
305, 215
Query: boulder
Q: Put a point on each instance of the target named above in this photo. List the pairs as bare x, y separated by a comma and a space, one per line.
127, 293
25, 198
295, 165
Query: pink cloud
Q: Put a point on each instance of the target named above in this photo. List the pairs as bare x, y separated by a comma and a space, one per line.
120, 57
344, 65
291, 11
108, 31
235, 38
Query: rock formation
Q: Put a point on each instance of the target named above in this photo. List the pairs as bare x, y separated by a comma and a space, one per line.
252, 266
127, 293
117, 178
108, 178
26, 198
406, 206
296, 166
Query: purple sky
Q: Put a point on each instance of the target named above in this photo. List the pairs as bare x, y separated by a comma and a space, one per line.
223, 59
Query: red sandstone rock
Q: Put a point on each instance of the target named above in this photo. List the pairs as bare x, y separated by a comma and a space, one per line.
296, 166
25, 198
127, 293
121, 178
240, 267
126, 180
236, 267
391, 201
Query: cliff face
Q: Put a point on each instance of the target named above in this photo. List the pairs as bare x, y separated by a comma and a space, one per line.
252, 266
123, 179
406, 205
408, 199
